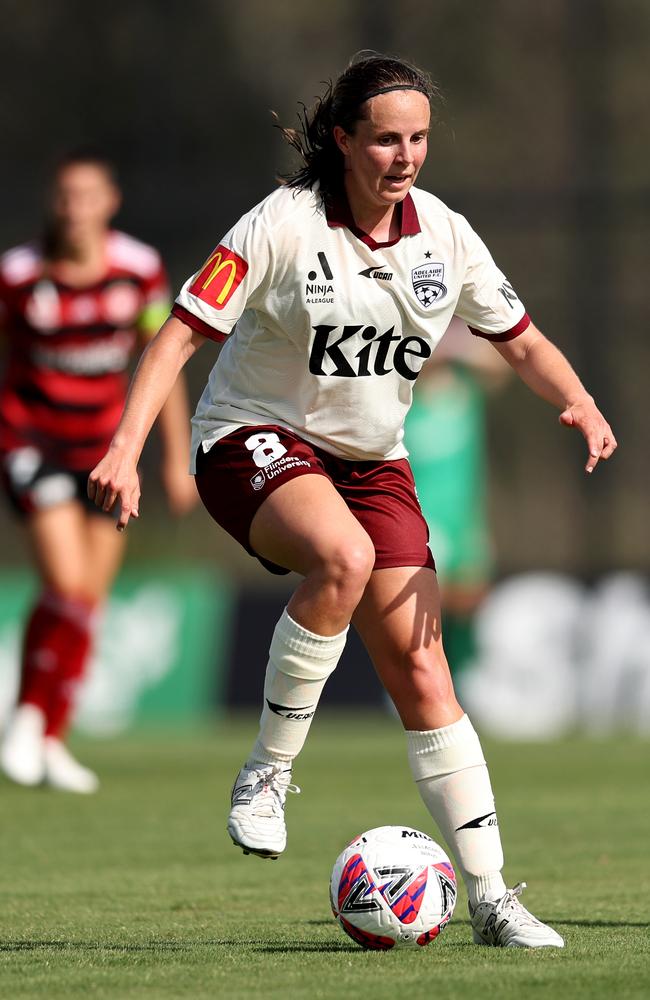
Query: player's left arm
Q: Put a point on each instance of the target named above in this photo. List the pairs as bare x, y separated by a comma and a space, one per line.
173, 425
173, 421
547, 372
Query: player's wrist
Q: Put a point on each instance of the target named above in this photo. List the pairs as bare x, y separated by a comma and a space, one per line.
580, 398
125, 448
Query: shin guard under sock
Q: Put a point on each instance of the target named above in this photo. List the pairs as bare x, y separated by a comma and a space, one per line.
453, 780
56, 649
299, 664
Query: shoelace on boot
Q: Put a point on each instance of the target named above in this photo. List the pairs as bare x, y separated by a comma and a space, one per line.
267, 805
510, 901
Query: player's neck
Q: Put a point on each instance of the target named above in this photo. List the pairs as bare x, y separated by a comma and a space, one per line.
381, 222
80, 261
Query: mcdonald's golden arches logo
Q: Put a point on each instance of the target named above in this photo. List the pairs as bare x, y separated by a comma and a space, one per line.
219, 277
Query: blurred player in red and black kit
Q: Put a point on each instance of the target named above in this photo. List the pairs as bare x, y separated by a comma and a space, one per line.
73, 307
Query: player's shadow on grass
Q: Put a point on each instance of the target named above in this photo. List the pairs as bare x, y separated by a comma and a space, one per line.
144, 946
599, 923
189, 945
306, 947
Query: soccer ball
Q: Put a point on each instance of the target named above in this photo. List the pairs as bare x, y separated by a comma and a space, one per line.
393, 887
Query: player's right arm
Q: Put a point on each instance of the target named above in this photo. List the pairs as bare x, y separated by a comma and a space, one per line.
116, 476
208, 307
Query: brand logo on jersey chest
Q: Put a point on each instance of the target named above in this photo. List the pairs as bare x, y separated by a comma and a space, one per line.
379, 353
121, 302
428, 283
318, 288
380, 273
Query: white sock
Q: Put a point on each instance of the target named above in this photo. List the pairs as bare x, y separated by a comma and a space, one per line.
299, 664
453, 780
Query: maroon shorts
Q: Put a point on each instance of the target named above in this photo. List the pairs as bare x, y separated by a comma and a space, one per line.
242, 469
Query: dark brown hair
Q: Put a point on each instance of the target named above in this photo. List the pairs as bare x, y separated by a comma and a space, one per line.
91, 155
343, 104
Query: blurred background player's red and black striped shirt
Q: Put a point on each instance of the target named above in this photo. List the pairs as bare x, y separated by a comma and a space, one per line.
69, 348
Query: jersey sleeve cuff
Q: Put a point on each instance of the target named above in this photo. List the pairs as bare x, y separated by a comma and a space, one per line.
185, 316
514, 331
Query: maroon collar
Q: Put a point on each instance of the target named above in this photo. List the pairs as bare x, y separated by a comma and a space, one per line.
338, 213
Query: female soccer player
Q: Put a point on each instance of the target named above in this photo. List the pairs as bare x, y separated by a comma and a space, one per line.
73, 307
330, 295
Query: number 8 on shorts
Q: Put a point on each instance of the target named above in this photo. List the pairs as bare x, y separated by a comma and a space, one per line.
266, 448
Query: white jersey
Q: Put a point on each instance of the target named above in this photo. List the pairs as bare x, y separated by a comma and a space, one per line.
326, 330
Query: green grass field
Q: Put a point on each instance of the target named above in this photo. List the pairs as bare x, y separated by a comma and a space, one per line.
137, 892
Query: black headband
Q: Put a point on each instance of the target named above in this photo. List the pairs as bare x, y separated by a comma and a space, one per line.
395, 86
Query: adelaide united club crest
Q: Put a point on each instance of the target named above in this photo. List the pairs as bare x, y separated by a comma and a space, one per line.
428, 283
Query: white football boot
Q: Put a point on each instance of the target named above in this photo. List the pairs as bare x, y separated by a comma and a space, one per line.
504, 923
65, 773
256, 820
22, 756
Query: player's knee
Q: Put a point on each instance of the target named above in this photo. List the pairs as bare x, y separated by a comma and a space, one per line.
92, 594
72, 603
78, 589
349, 564
357, 561
66, 587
